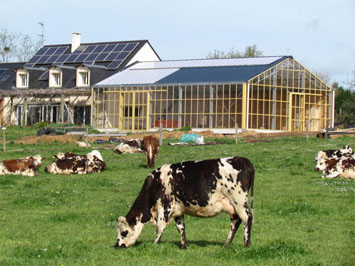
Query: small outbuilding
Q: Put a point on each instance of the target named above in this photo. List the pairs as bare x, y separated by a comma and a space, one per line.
272, 93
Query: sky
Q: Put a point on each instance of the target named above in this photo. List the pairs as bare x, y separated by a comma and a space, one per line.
319, 34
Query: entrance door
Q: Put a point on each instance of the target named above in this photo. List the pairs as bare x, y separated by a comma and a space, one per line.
296, 112
134, 111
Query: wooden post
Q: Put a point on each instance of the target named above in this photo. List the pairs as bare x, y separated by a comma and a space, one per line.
62, 102
236, 133
24, 113
307, 131
86, 137
161, 134
4, 139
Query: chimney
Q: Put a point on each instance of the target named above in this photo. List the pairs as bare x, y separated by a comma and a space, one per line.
75, 41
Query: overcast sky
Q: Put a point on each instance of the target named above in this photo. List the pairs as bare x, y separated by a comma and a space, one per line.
320, 34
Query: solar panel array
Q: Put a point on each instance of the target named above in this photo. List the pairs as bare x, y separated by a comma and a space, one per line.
112, 53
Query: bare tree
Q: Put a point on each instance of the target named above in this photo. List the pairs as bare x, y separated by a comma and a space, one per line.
17, 47
250, 51
323, 75
26, 48
7, 45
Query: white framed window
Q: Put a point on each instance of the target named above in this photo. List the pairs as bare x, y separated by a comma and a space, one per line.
55, 77
82, 77
22, 78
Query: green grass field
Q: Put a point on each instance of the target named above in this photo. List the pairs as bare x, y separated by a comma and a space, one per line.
300, 219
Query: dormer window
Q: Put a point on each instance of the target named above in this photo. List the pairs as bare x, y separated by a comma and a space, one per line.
82, 77
55, 77
22, 78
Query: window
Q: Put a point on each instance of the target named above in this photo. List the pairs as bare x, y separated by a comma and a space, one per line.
55, 78
82, 77
22, 79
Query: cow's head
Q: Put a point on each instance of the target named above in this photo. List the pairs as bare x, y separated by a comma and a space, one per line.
347, 151
320, 159
37, 160
127, 234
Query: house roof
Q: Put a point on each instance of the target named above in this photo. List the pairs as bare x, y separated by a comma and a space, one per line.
102, 58
237, 70
8, 75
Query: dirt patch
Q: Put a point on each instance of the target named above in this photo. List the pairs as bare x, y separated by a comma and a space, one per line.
48, 139
247, 135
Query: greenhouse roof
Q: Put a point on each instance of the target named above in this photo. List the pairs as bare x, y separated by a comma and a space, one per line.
168, 72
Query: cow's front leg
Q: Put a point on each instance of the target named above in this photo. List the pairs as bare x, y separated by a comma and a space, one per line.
235, 222
160, 226
180, 225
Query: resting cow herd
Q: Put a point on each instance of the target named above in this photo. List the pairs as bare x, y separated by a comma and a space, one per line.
199, 188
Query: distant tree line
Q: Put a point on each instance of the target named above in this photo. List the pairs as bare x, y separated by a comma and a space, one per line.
249, 51
17, 47
345, 103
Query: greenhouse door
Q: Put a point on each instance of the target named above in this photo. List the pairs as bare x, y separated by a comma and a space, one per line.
296, 112
134, 111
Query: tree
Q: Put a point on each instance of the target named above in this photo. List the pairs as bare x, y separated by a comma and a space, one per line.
7, 45
15, 46
344, 105
249, 51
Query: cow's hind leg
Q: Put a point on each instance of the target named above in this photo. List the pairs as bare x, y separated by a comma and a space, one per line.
180, 225
247, 219
235, 222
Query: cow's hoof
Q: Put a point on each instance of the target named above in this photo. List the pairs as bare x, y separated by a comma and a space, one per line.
183, 246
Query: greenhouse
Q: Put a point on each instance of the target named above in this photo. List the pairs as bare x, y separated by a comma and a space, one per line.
261, 93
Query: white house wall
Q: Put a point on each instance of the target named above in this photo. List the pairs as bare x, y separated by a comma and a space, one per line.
146, 53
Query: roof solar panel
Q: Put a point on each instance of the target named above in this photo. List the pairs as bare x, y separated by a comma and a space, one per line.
122, 55
53, 58
90, 48
112, 56
130, 46
101, 56
71, 58
99, 48
62, 58
34, 59
115, 64
41, 51
119, 47
2, 71
109, 47
43, 59
81, 57
61, 49
91, 57
50, 50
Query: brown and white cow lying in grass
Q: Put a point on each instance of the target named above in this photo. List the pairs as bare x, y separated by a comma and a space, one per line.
336, 163
70, 163
27, 166
129, 146
199, 188
150, 146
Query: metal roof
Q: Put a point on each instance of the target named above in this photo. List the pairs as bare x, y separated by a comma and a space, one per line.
191, 71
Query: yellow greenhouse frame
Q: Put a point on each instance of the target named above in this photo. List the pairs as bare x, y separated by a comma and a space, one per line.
283, 98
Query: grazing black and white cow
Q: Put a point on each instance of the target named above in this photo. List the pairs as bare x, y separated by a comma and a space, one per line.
330, 162
70, 163
199, 188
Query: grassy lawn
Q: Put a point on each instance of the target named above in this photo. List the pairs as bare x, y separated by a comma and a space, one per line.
300, 219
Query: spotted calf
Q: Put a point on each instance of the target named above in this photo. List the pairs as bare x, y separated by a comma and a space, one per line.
27, 166
199, 188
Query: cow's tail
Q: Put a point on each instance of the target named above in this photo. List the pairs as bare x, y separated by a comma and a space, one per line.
252, 196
